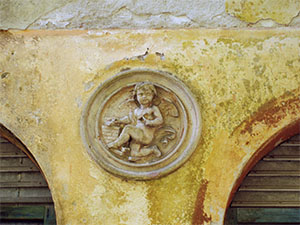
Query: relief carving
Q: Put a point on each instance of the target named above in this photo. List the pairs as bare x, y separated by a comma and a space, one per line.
144, 131
136, 124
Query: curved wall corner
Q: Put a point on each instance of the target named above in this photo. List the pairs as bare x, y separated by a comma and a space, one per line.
229, 163
24, 189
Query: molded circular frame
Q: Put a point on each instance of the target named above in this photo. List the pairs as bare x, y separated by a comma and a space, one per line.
99, 152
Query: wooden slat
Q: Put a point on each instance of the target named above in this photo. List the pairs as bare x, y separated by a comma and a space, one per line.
8, 193
274, 173
290, 145
5, 162
18, 169
268, 215
30, 214
269, 188
10, 177
281, 204
32, 176
247, 224
26, 200
9, 155
27, 184
3, 140
21, 181
241, 224
265, 196
283, 158
10, 162
273, 181
265, 165
22, 212
8, 147
34, 192
285, 151
9, 150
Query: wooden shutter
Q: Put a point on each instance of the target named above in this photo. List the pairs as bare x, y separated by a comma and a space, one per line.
24, 193
270, 194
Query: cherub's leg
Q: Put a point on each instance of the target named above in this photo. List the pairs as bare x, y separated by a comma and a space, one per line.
127, 132
134, 148
145, 151
137, 153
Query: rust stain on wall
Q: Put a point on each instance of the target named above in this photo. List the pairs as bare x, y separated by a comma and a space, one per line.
232, 73
273, 111
284, 134
200, 216
269, 115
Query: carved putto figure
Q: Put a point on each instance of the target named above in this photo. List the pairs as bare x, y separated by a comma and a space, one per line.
144, 125
141, 124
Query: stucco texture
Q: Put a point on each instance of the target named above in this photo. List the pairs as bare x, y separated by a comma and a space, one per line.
237, 76
95, 14
252, 11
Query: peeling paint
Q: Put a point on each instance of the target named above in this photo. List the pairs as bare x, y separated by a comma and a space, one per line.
235, 75
253, 11
273, 111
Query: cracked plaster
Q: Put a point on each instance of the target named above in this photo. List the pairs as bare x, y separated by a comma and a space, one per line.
46, 78
269, 13
104, 14
95, 14
16, 14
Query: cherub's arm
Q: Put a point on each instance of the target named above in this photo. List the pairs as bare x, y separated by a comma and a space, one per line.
124, 120
117, 121
158, 118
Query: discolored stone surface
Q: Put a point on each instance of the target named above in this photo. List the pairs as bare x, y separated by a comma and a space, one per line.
93, 14
245, 82
267, 13
104, 14
141, 124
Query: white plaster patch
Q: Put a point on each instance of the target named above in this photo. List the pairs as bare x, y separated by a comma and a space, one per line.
88, 85
94, 172
137, 203
36, 115
266, 23
94, 14
133, 209
78, 102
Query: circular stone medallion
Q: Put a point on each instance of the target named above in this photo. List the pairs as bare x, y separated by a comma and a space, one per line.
141, 124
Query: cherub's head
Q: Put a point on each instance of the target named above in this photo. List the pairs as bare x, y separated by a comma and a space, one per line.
144, 92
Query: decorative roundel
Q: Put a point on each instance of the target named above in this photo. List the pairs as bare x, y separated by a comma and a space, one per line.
141, 124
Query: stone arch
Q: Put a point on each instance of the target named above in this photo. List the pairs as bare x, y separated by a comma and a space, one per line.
7, 134
226, 166
281, 136
35, 175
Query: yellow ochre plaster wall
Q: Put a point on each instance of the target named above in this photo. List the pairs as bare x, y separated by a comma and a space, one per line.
237, 76
252, 11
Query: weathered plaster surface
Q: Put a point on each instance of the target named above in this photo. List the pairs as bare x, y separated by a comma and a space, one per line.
139, 14
95, 14
92, 14
253, 11
16, 14
47, 77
